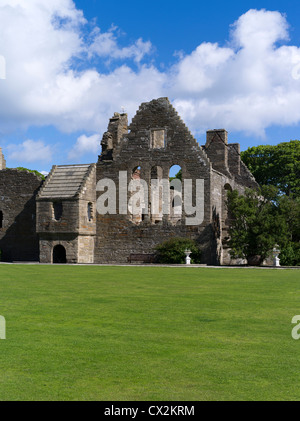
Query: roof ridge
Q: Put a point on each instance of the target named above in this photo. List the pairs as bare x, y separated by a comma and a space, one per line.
64, 182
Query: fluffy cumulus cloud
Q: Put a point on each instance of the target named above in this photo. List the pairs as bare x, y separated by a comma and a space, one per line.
42, 43
30, 151
249, 84
106, 45
85, 145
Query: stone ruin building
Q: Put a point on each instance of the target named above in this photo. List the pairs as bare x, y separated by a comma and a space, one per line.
56, 220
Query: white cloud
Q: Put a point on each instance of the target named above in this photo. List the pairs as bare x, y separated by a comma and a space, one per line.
248, 85
84, 145
259, 29
105, 45
30, 151
198, 71
40, 41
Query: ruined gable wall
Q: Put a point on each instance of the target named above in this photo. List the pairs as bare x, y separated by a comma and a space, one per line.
246, 179
226, 159
117, 235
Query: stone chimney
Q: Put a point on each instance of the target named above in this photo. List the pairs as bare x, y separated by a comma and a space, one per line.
216, 148
117, 128
2, 161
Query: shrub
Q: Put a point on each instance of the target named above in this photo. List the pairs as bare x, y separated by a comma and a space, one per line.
290, 255
172, 251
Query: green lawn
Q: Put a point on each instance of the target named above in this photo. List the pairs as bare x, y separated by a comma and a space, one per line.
148, 333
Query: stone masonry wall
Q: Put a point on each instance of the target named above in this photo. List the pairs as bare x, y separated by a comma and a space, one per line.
87, 205
68, 223
18, 238
49, 241
117, 235
216, 148
76, 228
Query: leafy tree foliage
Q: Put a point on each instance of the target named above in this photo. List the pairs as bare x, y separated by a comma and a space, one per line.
172, 251
277, 165
289, 212
33, 171
178, 176
255, 224
261, 219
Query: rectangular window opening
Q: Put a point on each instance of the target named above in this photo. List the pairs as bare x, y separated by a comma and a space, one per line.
158, 139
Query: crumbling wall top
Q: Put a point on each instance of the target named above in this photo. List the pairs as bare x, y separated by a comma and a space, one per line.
117, 129
2, 161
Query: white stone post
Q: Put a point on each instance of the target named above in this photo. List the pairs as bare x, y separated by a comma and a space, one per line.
276, 261
187, 258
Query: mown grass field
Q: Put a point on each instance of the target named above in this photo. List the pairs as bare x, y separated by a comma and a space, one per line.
148, 333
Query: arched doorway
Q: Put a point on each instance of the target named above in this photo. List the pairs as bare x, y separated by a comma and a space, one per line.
59, 254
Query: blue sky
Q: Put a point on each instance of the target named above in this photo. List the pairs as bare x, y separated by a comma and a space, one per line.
70, 65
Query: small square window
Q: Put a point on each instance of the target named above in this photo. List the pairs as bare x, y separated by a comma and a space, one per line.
158, 139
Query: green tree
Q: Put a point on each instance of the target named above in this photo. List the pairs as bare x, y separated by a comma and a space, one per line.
178, 175
289, 212
277, 165
32, 171
256, 224
172, 251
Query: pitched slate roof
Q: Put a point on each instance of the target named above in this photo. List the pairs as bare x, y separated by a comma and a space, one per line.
65, 181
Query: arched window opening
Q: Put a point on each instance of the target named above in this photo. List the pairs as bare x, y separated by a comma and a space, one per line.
175, 172
227, 187
138, 196
59, 254
175, 179
136, 173
156, 194
57, 210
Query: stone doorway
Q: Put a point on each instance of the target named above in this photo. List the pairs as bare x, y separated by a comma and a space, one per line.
59, 254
